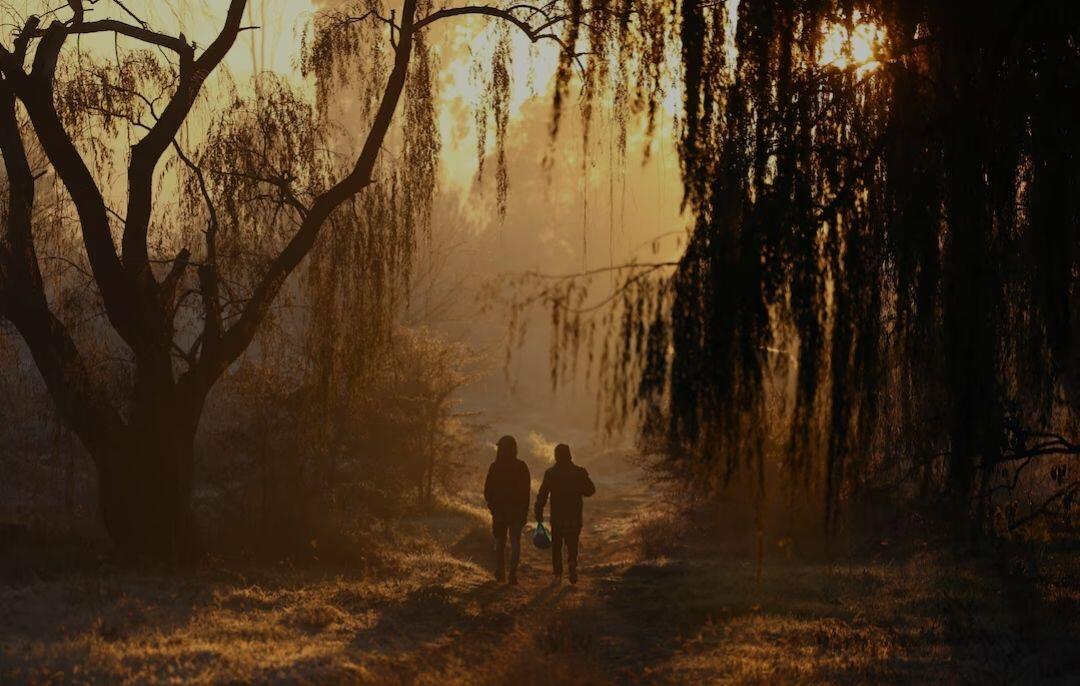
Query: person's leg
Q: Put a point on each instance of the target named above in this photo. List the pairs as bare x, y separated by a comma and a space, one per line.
556, 551
515, 550
572, 538
498, 530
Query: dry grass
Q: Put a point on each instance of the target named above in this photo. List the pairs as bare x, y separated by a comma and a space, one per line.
659, 533
87, 622
805, 623
430, 615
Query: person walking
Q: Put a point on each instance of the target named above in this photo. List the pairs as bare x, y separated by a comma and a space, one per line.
506, 491
567, 484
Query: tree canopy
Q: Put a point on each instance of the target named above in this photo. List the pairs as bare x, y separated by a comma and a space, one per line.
882, 273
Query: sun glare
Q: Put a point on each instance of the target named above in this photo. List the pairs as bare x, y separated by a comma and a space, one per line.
858, 48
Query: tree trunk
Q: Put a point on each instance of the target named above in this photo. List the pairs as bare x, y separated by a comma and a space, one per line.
144, 487
972, 288
69, 480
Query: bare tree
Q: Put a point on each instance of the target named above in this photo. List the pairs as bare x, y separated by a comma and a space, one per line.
142, 447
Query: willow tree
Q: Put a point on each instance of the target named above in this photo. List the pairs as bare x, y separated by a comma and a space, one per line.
258, 190
886, 237
913, 219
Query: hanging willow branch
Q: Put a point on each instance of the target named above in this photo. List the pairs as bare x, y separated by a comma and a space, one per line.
906, 222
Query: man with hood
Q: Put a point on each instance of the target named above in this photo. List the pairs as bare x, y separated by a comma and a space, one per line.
506, 491
567, 484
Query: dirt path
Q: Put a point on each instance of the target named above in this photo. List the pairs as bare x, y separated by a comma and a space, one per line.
899, 617
538, 632
903, 617
439, 618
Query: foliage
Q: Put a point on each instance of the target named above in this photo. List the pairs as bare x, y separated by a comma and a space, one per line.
886, 242
192, 283
294, 461
884, 257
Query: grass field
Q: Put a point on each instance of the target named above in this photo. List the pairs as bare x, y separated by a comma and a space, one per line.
646, 611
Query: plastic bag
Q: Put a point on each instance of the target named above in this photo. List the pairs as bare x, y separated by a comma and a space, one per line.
541, 537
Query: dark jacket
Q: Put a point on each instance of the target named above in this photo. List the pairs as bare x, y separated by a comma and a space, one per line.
506, 489
567, 484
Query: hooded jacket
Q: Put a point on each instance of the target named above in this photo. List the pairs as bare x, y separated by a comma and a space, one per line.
567, 484
506, 489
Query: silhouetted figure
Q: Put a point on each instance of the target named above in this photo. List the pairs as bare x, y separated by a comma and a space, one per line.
567, 484
506, 491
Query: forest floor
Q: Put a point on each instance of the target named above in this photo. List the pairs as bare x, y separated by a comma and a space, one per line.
435, 616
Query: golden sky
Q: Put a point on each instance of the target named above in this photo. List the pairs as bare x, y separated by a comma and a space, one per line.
461, 44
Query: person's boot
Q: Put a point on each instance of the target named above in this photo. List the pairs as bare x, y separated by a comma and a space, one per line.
573, 574
513, 578
500, 574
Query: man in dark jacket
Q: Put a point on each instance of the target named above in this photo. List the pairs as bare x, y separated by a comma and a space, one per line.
567, 484
506, 491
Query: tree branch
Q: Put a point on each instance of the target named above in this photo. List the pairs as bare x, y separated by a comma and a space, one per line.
217, 356
146, 154
1044, 508
208, 274
22, 302
18, 263
533, 34
36, 93
142, 34
172, 279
